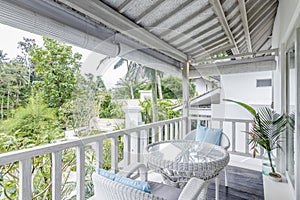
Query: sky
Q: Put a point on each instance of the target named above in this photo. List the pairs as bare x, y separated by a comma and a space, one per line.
9, 37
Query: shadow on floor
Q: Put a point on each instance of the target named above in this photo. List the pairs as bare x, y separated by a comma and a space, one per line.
242, 184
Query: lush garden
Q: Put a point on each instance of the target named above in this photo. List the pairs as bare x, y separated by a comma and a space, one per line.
43, 92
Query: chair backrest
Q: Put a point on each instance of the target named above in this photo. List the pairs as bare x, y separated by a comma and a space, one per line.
107, 189
225, 142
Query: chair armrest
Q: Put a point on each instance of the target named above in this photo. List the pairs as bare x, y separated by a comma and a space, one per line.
136, 167
195, 189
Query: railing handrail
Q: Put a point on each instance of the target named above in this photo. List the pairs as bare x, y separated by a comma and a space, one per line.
222, 119
23, 154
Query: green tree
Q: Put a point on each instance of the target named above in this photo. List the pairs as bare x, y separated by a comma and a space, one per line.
172, 88
56, 69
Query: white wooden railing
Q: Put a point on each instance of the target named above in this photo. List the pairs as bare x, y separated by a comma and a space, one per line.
234, 129
145, 134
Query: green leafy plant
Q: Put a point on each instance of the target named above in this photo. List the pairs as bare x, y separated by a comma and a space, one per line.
266, 129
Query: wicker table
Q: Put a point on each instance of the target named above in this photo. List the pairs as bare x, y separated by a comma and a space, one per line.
180, 160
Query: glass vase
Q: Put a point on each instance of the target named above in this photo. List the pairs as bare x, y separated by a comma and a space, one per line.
268, 158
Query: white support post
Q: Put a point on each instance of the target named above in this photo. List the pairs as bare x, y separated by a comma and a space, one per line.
56, 175
185, 97
25, 180
127, 149
114, 154
297, 118
80, 172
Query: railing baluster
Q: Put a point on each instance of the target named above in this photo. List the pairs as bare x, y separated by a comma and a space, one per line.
99, 154
180, 136
167, 137
153, 139
171, 131
114, 154
80, 171
127, 148
247, 139
25, 180
56, 175
233, 137
176, 131
160, 133
138, 148
221, 124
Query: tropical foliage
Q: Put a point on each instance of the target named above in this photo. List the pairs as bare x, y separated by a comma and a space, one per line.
266, 129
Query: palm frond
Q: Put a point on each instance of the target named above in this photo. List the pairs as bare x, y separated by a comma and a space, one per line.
246, 106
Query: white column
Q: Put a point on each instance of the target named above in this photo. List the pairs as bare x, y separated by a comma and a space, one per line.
185, 97
133, 118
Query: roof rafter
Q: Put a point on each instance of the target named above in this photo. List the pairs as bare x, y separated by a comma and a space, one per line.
222, 18
214, 51
243, 12
102, 13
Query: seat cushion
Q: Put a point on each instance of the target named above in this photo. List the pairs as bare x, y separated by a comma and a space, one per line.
209, 135
106, 174
136, 184
164, 191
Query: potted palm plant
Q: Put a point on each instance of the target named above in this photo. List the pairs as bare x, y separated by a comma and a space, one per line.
266, 130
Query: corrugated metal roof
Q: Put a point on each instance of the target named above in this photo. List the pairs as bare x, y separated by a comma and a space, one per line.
203, 28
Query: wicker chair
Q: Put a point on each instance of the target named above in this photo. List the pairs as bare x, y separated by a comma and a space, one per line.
225, 143
106, 189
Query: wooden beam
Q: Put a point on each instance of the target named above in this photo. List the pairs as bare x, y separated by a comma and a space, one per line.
104, 14
243, 12
217, 49
266, 63
222, 18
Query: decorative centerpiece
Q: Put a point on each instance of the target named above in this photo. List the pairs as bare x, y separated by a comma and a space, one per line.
266, 130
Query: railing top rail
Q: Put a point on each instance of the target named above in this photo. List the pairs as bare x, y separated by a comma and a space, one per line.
223, 119
18, 155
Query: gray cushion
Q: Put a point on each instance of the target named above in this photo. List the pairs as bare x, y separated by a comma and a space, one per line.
164, 191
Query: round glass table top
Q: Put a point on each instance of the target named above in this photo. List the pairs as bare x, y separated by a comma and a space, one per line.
186, 151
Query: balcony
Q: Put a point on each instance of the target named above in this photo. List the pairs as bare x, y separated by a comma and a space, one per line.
242, 182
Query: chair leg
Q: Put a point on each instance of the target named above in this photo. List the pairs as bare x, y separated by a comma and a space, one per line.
226, 182
217, 182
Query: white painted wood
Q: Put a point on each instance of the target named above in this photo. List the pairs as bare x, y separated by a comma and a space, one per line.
233, 141
127, 149
114, 154
153, 132
171, 131
56, 175
217, 184
160, 133
80, 172
247, 139
176, 130
25, 192
106, 15
243, 12
222, 18
99, 154
297, 118
139, 149
185, 96
167, 136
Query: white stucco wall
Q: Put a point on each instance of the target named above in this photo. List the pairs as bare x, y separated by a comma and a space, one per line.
242, 87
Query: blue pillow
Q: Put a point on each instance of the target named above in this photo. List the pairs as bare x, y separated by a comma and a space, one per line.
136, 184
209, 135
106, 174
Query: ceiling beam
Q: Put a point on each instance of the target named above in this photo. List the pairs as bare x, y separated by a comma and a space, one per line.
222, 18
243, 12
258, 64
218, 49
104, 14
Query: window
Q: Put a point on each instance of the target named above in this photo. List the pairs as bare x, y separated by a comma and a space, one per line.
263, 82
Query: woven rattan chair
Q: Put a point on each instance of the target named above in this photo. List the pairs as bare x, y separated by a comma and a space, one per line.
225, 143
106, 189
